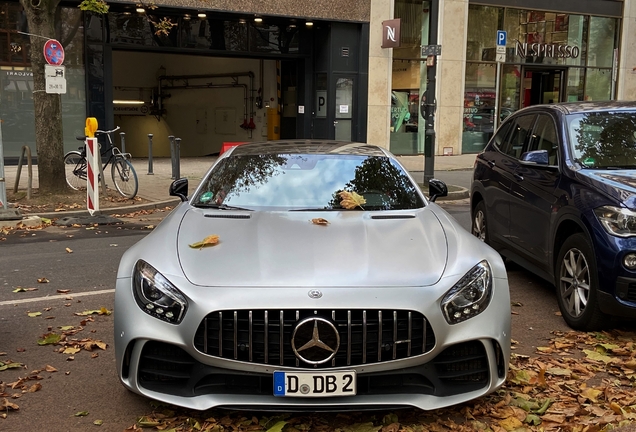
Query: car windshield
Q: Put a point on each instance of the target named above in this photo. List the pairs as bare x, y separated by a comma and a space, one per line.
307, 182
603, 139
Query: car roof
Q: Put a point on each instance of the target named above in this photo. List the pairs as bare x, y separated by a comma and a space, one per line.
308, 147
579, 107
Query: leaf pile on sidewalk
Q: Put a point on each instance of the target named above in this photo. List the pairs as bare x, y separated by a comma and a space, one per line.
579, 382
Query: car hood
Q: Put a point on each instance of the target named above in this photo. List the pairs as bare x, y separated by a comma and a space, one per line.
286, 249
618, 184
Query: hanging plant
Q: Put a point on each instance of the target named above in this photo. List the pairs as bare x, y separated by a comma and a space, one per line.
97, 6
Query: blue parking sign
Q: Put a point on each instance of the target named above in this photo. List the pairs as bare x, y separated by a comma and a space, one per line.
501, 37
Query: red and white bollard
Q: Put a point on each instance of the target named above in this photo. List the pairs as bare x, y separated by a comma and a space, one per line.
92, 167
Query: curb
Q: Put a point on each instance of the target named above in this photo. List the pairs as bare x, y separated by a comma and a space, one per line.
111, 210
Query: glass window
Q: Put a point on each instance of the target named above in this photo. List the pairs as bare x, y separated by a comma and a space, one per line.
603, 139
602, 41
213, 34
502, 133
479, 106
519, 136
598, 85
545, 138
483, 23
307, 181
273, 38
574, 89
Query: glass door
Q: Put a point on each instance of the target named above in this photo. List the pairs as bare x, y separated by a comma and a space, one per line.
343, 122
542, 86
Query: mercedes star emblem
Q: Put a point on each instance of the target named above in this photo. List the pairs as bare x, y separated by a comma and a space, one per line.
314, 294
315, 340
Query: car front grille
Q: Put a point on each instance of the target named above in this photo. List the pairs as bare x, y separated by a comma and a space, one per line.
631, 292
264, 336
463, 364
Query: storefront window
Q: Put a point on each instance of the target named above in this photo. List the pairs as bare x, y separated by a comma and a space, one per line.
479, 106
409, 79
574, 89
483, 23
602, 41
598, 84
16, 81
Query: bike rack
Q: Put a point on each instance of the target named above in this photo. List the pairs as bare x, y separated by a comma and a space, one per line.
30, 171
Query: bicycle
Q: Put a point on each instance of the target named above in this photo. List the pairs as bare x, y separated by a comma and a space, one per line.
122, 172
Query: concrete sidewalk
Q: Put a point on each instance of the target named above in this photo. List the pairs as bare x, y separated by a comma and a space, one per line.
154, 187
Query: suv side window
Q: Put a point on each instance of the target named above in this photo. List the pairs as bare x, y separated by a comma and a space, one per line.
545, 138
501, 134
515, 144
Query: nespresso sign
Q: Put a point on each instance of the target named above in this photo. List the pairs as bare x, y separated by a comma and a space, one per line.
391, 33
546, 50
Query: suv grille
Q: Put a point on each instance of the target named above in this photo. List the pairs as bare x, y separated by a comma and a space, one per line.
264, 336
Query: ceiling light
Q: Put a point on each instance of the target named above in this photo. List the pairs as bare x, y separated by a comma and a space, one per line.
140, 10
258, 19
126, 13
128, 102
241, 21
309, 23
187, 17
202, 15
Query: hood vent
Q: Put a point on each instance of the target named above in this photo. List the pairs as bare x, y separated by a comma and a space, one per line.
227, 216
395, 216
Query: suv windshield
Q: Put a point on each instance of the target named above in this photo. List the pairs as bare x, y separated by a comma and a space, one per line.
307, 182
603, 139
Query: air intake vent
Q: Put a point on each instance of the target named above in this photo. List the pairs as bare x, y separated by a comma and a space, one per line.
344, 52
227, 216
394, 216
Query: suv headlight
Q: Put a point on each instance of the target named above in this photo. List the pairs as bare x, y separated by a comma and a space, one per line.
617, 221
470, 296
156, 296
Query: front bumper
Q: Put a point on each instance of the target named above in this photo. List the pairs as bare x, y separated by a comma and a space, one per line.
160, 360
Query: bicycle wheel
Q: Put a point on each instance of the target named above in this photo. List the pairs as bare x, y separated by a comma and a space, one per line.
124, 177
75, 168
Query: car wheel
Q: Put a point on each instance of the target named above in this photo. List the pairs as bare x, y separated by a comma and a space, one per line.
577, 284
479, 222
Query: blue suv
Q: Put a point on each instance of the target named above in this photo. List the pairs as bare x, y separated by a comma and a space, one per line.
555, 191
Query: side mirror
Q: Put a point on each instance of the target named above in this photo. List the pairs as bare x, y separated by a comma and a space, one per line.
540, 157
179, 188
436, 188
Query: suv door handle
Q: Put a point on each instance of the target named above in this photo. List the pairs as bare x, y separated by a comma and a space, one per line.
518, 176
491, 163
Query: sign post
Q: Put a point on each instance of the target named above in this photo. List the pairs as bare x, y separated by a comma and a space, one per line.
93, 165
501, 57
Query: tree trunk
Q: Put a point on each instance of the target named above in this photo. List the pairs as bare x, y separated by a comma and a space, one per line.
49, 140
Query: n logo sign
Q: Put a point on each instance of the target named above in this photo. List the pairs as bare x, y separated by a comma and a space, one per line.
391, 33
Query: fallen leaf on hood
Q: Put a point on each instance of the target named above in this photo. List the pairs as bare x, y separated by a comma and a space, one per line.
210, 240
351, 200
320, 221
20, 289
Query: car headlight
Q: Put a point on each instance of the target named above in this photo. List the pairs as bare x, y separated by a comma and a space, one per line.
617, 221
156, 296
470, 296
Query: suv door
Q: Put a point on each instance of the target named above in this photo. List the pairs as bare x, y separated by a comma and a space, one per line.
505, 165
535, 188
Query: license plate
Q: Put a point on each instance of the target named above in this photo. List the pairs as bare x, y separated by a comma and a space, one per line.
314, 384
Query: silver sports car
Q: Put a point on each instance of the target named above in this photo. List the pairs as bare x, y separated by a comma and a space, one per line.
311, 276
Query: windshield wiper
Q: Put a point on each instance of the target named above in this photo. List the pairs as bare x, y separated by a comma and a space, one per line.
221, 207
314, 209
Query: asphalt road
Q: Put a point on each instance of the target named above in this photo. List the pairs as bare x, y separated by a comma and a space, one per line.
85, 382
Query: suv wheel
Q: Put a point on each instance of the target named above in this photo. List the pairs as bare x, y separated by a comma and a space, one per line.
577, 284
479, 222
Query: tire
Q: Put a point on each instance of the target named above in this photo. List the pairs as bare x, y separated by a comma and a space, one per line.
479, 223
75, 169
577, 284
124, 178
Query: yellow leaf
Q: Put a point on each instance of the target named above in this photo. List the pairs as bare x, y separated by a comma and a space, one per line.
511, 423
616, 408
210, 240
34, 314
320, 221
43, 280
71, 350
591, 394
69, 250
351, 200
595, 355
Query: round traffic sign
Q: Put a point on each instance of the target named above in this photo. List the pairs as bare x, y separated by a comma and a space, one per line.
53, 52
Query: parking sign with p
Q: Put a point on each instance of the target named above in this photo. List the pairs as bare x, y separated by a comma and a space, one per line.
501, 37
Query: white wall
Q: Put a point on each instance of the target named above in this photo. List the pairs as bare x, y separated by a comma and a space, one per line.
190, 114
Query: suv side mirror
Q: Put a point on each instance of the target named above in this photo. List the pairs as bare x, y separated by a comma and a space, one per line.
540, 157
179, 188
436, 188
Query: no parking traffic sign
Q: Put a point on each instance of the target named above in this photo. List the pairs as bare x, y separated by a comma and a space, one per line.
53, 52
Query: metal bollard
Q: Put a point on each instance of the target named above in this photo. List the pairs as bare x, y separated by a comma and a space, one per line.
122, 140
172, 156
150, 154
177, 152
